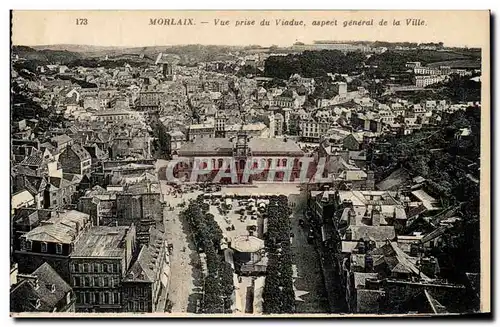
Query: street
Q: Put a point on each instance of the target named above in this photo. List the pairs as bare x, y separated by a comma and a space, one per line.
185, 267
309, 281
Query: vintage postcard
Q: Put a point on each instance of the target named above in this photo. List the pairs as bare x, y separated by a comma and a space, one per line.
250, 163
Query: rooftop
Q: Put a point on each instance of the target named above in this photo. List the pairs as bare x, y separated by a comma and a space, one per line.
50, 291
101, 241
246, 243
62, 227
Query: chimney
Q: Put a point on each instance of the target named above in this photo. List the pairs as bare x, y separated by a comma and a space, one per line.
351, 217
368, 263
375, 216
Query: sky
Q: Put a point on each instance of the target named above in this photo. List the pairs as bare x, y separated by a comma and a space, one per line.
132, 28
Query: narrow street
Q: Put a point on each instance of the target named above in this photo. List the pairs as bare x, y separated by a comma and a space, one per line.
309, 281
185, 283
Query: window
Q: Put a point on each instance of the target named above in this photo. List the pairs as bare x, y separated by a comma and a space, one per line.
86, 281
78, 297
85, 297
59, 248
76, 281
85, 267
76, 267
29, 245
44, 246
105, 282
107, 298
96, 267
105, 267
116, 268
116, 298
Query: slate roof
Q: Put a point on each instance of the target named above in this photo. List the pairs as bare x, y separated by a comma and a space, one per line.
220, 146
30, 216
273, 145
34, 184
375, 233
60, 228
147, 264
51, 290
368, 301
79, 151
101, 241
48, 146
32, 161
59, 182
61, 139
395, 180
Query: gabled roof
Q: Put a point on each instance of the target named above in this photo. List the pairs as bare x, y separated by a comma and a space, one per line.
79, 151
58, 182
60, 228
21, 198
61, 139
34, 184
31, 216
51, 289
48, 146
145, 268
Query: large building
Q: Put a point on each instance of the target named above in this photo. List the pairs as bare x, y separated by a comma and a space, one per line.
99, 262
146, 284
269, 153
51, 240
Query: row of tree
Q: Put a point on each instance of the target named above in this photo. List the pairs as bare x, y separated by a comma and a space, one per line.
278, 295
218, 285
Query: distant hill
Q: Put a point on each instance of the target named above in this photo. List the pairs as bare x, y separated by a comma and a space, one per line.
188, 53
46, 56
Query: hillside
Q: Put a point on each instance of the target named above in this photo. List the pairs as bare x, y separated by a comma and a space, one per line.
46, 56
65, 53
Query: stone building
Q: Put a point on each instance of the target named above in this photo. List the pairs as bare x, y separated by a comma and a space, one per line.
99, 262
51, 241
75, 159
145, 287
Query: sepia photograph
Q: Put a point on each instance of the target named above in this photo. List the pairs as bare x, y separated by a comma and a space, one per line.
249, 163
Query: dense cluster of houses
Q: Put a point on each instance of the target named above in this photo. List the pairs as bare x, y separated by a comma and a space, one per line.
87, 210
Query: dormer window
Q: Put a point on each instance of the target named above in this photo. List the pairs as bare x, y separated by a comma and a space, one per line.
59, 248
28, 245
43, 246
